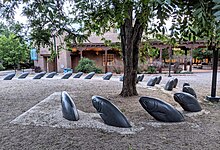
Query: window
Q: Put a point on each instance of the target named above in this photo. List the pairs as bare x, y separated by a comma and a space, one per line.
110, 59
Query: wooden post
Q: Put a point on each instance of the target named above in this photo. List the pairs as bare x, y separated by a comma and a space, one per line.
106, 62
170, 55
160, 69
185, 60
190, 67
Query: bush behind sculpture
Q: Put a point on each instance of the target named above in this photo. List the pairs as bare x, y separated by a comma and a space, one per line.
2, 67
86, 65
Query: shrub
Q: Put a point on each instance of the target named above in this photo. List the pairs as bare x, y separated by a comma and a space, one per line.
86, 65
2, 67
151, 69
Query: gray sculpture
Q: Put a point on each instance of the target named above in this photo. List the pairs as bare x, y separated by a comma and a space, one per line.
68, 107
175, 81
159, 78
121, 78
90, 75
66, 75
107, 76
189, 90
9, 76
161, 110
23, 75
78, 75
187, 102
169, 85
51, 75
39, 75
186, 84
140, 78
110, 114
152, 81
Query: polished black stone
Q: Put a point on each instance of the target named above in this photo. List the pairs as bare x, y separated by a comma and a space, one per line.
140, 78
169, 85
68, 107
23, 75
9, 76
121, 78
66, 75
189, 90
39, 75
187, 102
152, 81
159, 78
90, 75
110, 114
161, 110
78, 75
186, 84
51, 75
107, 76
175, 82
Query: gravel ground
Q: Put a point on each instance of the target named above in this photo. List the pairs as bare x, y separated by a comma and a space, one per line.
199, 131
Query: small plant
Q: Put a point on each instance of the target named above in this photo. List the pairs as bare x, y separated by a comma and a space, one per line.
151, 69
86, 65
2, 67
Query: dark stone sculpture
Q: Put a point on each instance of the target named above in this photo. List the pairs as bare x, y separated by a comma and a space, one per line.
187, 102
23, 75
39, 75
161, 110
189, 90
186, 84
107, 76
159, 78
140, 78
90, 75
169, 85
78, 75
68, 107
110, 114
66, 75
152, 81
175, 81
9, 76
51, 75
121, 78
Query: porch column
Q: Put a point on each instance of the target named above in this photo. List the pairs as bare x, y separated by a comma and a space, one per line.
191, 49
185, 60
106, 62
160, 69
81, 56
170, 55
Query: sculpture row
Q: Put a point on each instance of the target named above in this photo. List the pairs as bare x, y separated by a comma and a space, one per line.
107, 76
111, 115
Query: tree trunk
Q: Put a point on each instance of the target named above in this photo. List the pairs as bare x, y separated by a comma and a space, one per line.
130, 40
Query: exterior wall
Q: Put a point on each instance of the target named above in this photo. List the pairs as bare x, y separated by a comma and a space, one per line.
64, 60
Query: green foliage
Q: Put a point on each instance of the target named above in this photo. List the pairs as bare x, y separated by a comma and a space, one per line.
1, 67
152, 69
12, 51
202, 53
86, 65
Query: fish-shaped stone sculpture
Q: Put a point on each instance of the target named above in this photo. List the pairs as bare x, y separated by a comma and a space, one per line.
51, 75
161, 110
9, 76
169, 85
39, 75
23, 75
90, 75
175, 82
152, 81
189, 90
68, 107
187, 102
66, 75
78, 75
110, 114
107, 76
158, 79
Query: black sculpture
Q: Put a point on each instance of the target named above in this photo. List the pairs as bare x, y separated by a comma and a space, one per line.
158, 79
68, 107
110, 114
187, 102
186, 84
39, 75
140, 78
9, 76
152, 81
78, 75
90, 75
169, 85
66, 75
189, 90
175, 81
23, 75
107, 76
161, 110
121, 78
51, 75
